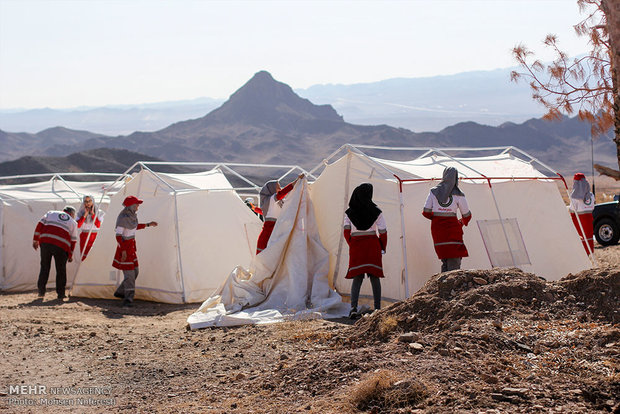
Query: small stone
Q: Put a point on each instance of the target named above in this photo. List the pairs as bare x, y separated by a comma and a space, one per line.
457, 349
93, 333
409, 337
610, 345
480, 281
523, 347
240, 376
171, 395
489, 379
497, 324
520, 392
416, 346
283, 357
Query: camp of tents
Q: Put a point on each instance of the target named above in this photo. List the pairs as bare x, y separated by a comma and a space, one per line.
519, 217
21, 207
206, 231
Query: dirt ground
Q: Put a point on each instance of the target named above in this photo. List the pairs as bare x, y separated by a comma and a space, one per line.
470, 341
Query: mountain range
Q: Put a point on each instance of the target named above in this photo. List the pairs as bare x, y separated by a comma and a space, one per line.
265, 121
418, 104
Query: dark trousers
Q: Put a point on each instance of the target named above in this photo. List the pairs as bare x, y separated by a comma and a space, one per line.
60, 260
375, 282
450, 264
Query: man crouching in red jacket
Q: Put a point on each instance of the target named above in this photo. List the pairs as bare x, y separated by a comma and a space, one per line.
56, 234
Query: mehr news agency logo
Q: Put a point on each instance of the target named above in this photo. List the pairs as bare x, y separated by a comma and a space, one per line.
42, 395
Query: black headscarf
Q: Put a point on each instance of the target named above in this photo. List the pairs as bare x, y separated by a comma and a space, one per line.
362, 211
448, 186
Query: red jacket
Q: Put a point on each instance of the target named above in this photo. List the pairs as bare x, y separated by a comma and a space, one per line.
126, 242
59, 229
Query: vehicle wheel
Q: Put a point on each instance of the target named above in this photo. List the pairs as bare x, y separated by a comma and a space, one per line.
606, 232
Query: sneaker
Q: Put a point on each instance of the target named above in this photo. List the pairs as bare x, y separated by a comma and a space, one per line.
41, 295
353, 313
119, 295
127, 303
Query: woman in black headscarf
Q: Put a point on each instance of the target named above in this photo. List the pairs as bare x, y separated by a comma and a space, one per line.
441, 207
366, 233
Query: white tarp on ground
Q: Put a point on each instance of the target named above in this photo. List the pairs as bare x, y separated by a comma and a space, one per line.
201, 235
548, 234
286, 281
21, 208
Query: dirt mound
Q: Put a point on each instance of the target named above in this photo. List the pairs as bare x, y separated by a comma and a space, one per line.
448, 300
598, 290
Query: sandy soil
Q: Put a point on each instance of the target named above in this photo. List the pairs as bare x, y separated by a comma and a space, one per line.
470, 341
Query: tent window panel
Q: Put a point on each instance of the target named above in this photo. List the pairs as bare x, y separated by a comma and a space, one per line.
496, 245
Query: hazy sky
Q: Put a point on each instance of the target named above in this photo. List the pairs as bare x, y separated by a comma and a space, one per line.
62, 54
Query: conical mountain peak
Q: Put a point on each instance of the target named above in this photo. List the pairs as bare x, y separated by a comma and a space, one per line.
265, 101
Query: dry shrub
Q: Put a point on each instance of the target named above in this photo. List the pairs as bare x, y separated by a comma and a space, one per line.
387, 325
385, 390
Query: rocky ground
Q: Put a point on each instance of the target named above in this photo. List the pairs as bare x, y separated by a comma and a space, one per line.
470, 341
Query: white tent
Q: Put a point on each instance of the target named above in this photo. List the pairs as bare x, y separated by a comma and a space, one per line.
519, 217
286, 281
21, 207
204, 231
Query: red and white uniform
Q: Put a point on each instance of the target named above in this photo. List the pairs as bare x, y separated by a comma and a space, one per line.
581, 209
271, 216
59, 229
365, 247
126, 242
89, 226
446, 228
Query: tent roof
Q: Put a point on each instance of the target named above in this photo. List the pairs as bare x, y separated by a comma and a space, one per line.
206, 180
52, 190
502, 166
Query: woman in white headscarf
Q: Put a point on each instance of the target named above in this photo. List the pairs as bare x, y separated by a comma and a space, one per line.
89, 219
271, 203
441, 207
581, 205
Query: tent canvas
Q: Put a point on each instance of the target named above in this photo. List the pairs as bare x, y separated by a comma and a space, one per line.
21, 207
286, 281
204, 231
502, 188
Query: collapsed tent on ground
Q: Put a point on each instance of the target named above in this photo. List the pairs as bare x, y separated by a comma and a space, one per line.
519, 217
21, 208
204, 231
285, 281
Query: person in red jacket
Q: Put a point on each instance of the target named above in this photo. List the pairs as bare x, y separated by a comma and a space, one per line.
580, 208
271, 203
126, 258
362, 221
441, 207
89, 219
56, 235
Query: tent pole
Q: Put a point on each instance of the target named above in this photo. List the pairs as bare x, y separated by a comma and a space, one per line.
404, 242
341, 238
176, 224
585, 241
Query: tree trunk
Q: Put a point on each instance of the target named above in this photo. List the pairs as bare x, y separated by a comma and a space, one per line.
612, 13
